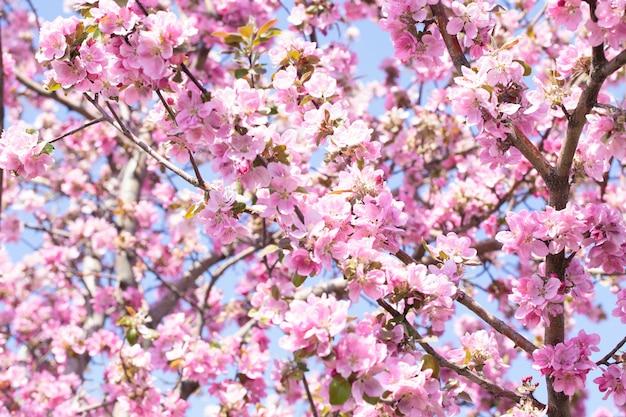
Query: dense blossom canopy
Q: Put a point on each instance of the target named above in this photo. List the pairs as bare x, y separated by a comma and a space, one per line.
203, 202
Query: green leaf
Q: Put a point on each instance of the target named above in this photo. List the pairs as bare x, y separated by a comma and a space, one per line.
339, 390
240, 73
294, 55
430, 362
124, 321
527, 69
239, 207
275, 292
132, 336
271, 33
233, 40
48, 149
370, 400
298, 280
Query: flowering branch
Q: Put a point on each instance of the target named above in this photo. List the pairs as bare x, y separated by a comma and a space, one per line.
519, 140
145, 147
599, 72
476, 308
495, 389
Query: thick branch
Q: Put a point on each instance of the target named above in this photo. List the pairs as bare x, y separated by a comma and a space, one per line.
530, 152
131, 182
599, 73
167, 303
452, 43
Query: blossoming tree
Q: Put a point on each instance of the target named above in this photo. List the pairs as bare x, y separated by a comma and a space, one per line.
204, 202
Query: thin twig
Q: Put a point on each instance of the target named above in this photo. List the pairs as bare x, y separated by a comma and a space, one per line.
78, 129
88, 408
114, 120
605, 359
34, 10
308, 395
471, 304
205, 93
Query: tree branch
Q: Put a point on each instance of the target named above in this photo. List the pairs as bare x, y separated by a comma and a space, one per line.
452, 43
78, 129
494, 389
38, 89
517, 138
496, 323
605, 359
167, 303
600, 70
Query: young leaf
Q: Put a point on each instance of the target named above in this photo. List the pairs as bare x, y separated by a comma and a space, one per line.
339, 390
266, 26
194, 209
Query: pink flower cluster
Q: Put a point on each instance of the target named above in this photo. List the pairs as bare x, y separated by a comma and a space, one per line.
568, 363
538, 298
598, 227
612, 382
118, 51
22, 153
424, 49
219, 217
311, 324
477, 350
607, 234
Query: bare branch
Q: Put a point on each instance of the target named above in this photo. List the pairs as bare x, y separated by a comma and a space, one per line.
78, 129
308, 395
41, 91
168, 302
496, 323
605, 359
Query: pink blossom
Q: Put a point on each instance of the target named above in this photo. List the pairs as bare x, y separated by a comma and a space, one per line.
321, 85
53, 44
68, 74
612, 382
521, 239
22, 152
566, 12
620, 308
310, 325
